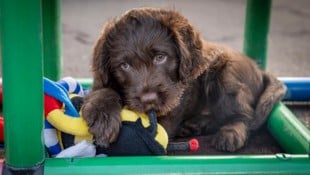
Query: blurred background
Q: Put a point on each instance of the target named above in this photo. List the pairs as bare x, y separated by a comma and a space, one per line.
221, 21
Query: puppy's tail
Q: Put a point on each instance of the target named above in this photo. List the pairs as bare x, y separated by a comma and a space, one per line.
274, 92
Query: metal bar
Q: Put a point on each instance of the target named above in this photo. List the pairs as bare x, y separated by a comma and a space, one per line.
21, 46
52, 46
271, 164
298, 88
85, 82
256, 30
289, 132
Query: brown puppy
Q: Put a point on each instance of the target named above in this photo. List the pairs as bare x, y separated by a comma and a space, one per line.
154, 59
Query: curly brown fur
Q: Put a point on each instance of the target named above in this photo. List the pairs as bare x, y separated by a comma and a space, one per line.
154, 59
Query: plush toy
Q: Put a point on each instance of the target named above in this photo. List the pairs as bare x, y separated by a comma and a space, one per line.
63, 125
140, 135
66, 133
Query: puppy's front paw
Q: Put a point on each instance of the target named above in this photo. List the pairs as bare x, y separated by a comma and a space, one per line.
195, 126
101, 111
230, 137
190, 129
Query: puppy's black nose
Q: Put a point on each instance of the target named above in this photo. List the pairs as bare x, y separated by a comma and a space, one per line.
149, 97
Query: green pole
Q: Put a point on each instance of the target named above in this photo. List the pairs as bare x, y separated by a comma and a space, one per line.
256, 30
290, 133
85, 82
51, 10
21, 45
236, 164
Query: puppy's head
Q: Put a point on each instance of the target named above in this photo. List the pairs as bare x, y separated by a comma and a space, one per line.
148, 56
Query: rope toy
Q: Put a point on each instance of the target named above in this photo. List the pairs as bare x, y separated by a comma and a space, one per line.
62, 120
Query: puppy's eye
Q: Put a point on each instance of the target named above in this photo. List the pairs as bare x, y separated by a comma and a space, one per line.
160, 59
125, 66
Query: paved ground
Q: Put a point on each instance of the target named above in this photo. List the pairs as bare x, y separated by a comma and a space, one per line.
218, 20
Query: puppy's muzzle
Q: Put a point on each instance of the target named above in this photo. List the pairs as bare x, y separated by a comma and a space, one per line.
149, 100
149, 97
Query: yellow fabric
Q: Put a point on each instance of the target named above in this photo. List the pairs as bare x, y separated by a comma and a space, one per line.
131, 116
162, 136
78, 139
60, 139
77, 126
70, 125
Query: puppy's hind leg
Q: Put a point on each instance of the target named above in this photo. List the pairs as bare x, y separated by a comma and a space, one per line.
235, 113
274, 92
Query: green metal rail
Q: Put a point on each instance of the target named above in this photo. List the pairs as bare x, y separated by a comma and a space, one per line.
255, 42
52, 45
21, 42
290, 133
272, 164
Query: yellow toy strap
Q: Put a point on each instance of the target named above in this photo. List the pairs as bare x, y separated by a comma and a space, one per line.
70, 125
132, 116
162, 136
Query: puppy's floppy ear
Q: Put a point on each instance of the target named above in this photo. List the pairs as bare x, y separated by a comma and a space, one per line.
100, 61
189, 46
191, 59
